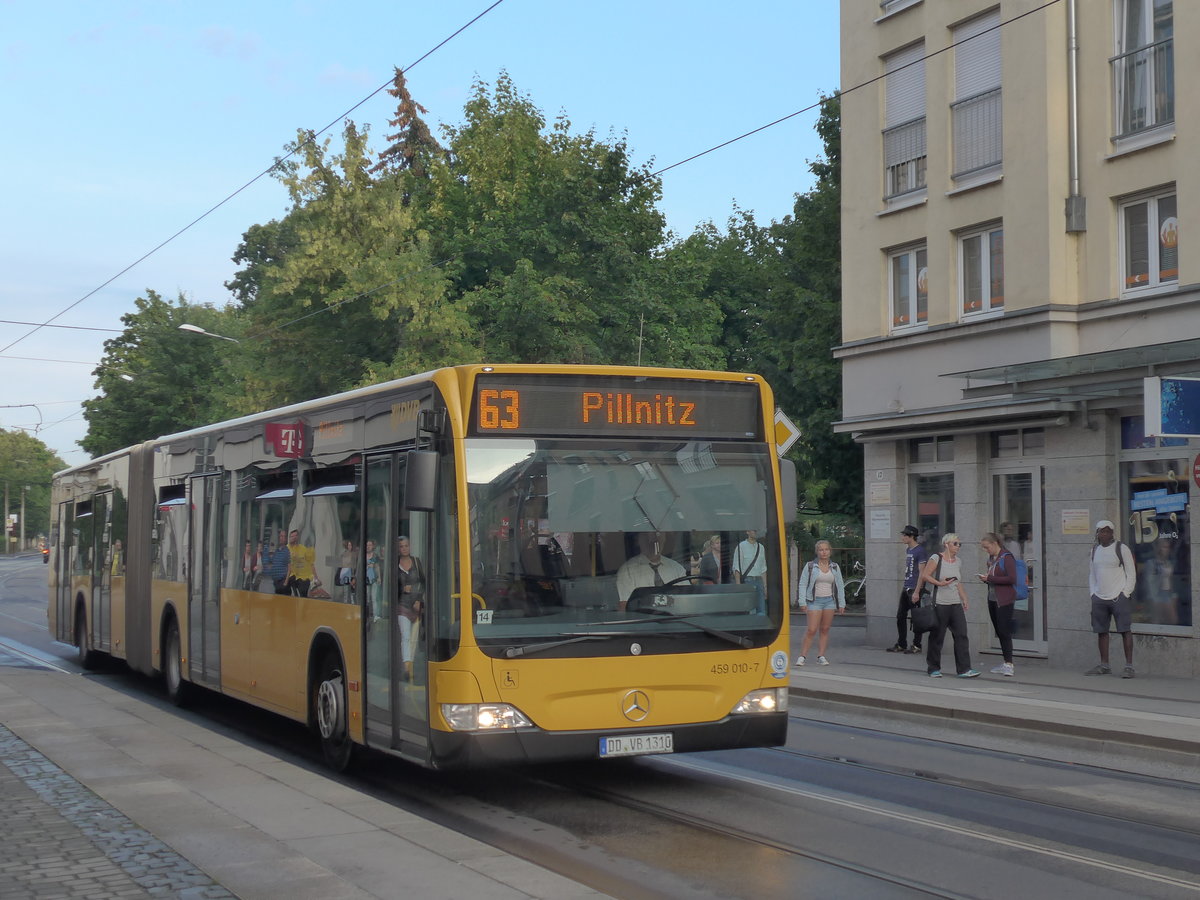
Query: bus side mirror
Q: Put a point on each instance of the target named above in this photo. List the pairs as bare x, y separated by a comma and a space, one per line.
420, 480
787, 490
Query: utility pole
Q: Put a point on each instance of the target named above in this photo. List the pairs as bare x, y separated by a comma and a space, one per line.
21, 545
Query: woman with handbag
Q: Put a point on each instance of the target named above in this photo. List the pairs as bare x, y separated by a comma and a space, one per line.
943, 571
1002, 595
823, 595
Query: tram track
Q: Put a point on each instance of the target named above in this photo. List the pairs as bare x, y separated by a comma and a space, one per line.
1048, 764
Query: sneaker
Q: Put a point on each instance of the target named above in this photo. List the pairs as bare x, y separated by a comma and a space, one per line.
799, 660
1099, 670
896, 648
1009, 670
997, 670
936, 673
822, 661
970, 673
1128, 673
914, 649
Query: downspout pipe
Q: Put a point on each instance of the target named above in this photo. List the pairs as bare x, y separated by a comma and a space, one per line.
1076, 207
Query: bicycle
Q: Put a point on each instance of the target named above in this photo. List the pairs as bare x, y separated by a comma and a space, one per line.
856, 585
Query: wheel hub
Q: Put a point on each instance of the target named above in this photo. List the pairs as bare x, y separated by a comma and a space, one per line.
330, 721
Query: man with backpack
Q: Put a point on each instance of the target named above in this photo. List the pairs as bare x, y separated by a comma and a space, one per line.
1112, 577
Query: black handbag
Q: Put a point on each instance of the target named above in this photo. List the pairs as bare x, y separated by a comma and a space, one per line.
924, 616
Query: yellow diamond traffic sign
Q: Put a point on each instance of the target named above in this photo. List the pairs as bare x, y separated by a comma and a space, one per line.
786, 432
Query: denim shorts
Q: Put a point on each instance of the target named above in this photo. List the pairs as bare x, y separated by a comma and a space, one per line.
821, 603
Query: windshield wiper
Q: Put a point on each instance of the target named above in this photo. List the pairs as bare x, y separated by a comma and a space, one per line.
738, 639
512, 652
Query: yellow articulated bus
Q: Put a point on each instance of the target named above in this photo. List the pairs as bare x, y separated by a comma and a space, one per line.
478, 566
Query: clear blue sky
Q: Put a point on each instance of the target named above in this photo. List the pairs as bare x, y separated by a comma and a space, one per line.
127, 120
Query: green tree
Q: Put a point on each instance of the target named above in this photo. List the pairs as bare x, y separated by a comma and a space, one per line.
342, 291
553, 241
27, 465
155, 379
804, 324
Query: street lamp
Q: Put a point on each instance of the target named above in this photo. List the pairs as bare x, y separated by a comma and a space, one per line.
196, 329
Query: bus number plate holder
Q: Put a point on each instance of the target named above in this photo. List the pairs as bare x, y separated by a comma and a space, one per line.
636, 744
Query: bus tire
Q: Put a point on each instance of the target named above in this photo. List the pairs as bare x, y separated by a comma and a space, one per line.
178, 690
88, 658
330, 709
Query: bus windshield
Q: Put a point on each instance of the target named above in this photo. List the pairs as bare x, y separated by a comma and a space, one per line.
576, 541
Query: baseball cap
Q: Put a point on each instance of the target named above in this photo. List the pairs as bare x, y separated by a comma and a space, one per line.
1104, 523
910, 531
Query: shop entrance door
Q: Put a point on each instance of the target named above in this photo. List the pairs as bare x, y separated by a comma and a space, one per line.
1017, 508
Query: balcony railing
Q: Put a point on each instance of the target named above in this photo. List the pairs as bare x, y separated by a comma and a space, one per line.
978, 132
904, 157
1144, 87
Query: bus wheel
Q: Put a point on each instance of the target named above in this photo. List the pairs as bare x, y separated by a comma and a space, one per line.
177, 688
87, 656
329, 702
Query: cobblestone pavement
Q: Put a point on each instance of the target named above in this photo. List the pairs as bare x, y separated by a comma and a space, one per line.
60, 840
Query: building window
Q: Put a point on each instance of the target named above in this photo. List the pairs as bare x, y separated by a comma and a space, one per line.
1018, 443
931, 449
909, 277
1150, 242
904, 121
1144, 67
976, 111
981, 267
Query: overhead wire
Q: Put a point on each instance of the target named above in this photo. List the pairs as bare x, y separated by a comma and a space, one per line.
312, 136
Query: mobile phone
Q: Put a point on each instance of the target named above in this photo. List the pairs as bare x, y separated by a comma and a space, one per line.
951, 579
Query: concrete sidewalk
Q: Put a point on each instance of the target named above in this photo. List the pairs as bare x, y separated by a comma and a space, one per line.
1144, 713
105, 796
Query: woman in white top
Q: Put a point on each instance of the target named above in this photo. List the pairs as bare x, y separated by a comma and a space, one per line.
944, 571
823, 595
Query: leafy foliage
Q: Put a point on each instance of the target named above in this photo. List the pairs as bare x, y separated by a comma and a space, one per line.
155, 379
27, 464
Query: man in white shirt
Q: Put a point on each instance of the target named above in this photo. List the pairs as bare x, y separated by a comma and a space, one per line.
750, 567
1112, 577
649, 568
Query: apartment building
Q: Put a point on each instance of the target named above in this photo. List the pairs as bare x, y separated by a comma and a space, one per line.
1020, 180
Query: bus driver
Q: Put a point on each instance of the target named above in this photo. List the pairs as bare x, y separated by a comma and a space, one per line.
648, 569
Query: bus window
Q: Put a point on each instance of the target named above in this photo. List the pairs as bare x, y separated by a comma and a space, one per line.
566, 533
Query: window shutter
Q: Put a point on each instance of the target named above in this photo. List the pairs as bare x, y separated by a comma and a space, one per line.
977, 62
905, 86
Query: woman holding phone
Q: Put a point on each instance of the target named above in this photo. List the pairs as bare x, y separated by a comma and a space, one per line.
944, 572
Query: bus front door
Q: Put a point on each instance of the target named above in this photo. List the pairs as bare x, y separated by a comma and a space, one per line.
394, 647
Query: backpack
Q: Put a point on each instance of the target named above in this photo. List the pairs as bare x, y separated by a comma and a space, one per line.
1021, 581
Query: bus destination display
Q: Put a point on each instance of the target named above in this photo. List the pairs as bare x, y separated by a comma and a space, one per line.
580, 405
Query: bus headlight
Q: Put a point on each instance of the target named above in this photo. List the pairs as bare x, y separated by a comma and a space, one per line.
766, 700
483, 716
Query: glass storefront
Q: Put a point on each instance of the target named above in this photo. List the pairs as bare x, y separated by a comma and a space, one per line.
1155, 495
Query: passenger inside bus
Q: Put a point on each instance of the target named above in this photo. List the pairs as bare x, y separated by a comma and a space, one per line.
410, 587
